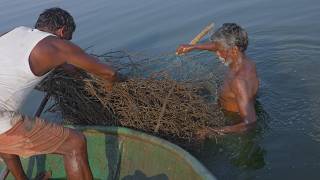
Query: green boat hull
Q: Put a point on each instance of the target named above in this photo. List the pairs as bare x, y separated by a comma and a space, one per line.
121, 153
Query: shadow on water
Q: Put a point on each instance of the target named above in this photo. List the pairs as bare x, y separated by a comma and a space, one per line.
234, 155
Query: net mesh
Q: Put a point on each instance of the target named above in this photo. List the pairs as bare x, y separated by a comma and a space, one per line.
168, 96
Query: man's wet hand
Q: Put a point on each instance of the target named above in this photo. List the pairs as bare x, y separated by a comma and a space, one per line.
184, 48
218, 131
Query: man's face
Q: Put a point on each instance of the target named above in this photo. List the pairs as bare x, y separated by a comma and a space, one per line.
222, 54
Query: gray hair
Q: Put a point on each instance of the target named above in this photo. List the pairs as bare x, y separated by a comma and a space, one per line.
230, 35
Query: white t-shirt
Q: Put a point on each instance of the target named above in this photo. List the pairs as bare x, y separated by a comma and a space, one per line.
16, 77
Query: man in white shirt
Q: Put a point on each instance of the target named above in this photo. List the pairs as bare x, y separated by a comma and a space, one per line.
26, 56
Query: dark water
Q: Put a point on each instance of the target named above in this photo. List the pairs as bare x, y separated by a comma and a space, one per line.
284, 42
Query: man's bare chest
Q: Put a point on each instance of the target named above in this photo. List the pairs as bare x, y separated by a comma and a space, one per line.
226, 90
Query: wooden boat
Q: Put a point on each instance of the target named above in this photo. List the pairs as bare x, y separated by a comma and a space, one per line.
121, 153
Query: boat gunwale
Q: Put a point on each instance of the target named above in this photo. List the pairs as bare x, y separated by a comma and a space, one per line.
181, 153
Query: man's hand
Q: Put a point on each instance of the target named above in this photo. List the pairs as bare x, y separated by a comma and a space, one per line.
108, 85
208, 132
184, 48
237, 128
218, 131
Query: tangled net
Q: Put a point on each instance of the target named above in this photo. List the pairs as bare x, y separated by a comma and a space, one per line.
177, 110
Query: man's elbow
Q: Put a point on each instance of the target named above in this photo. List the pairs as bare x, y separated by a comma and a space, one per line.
250, 123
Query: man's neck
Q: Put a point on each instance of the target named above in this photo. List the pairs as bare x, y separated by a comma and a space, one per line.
237, 61
44, 29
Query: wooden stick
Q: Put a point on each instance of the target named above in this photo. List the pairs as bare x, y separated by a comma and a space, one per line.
42, 105
163, 109
204, 32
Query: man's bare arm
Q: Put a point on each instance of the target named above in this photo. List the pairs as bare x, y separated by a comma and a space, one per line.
70, 69
52, 52
78, 58
246, 109
185, 48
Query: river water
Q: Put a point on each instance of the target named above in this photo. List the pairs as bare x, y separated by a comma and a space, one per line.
284, 42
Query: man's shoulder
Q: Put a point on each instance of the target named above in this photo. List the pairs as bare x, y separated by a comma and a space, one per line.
46, 55
248, 69
251, 64
47, 44
241, 79
51, 44
50, 40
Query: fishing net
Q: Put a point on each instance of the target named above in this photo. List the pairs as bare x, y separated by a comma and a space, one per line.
167, 96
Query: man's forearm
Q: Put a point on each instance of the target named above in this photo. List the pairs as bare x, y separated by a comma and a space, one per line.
108, 74
206, 46
185, 48
241, 127
247, 123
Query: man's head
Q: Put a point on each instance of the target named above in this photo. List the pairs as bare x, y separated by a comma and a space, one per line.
56, 21
230, 39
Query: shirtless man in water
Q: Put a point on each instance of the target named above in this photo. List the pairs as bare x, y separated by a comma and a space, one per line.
238, 92
26, 57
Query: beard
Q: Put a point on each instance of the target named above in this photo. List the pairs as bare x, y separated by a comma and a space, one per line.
224, 61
